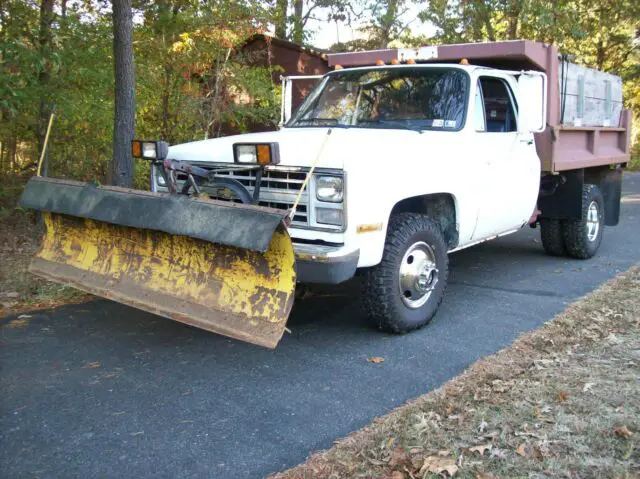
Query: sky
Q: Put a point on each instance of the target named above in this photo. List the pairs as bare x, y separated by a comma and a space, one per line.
326, 34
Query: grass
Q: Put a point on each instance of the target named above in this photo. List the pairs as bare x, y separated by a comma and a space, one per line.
19, 289
563, 401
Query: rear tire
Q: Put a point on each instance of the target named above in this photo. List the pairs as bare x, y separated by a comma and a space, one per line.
404, 291
582, 237
552, 236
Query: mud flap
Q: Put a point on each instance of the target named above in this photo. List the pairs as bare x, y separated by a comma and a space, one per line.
239, 292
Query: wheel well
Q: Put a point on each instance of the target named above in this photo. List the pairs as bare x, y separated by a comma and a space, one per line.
439, 207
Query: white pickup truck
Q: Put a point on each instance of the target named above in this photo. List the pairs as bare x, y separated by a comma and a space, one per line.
417, 154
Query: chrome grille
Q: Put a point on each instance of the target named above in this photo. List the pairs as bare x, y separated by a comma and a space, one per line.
278, 189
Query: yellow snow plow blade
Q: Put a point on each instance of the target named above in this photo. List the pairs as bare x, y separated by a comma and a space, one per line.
235, 292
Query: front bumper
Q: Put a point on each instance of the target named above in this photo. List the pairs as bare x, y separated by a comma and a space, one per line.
324, 264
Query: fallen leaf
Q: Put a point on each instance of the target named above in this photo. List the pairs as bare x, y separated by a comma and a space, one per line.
376, 360
399, 458
537, 453
17, 323
623, 431
562, 396
444, 453
587, 387
483, 426
485, 475
397, 475
94, 364
492, 434
522, 450
499, 453
629, 451
481, 448
439, 465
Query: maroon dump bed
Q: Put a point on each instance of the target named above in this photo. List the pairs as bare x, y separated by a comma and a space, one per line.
561, 146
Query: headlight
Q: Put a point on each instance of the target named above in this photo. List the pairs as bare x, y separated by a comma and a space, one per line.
329, 188
149, 150
160, 179
329, 216
260, 153
246, 154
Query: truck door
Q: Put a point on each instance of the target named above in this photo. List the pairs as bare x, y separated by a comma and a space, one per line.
512, 168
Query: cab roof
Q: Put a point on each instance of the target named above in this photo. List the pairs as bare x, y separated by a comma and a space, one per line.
514, 54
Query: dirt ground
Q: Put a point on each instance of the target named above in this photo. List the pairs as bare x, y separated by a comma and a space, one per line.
19, 289
563, 401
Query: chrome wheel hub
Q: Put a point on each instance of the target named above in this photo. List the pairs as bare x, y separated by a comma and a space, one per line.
593, 221
418, 275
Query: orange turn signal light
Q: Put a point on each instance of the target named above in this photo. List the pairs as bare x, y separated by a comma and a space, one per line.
136, 149
264, 154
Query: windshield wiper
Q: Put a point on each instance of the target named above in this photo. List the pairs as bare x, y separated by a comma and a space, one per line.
388, 125
332, 121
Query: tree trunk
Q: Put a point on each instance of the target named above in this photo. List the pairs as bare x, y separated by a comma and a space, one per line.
281, 18
45, 41
387, 21
513, 14
298, 27
166, 92
124, 114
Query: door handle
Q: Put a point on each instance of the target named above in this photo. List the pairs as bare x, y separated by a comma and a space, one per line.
528, 141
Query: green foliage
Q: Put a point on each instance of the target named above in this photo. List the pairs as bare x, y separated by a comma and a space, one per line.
604, 35
190, 83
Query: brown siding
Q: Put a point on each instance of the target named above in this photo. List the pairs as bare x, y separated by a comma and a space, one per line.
292, 60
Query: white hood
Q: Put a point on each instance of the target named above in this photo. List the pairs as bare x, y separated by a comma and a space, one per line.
347, 149
298, 147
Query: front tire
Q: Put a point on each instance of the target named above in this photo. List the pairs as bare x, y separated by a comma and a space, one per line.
582, 237
404, 291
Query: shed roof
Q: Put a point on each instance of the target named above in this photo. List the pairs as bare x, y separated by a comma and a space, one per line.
318, 52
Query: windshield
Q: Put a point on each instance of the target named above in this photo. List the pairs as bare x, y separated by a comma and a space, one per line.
414, 98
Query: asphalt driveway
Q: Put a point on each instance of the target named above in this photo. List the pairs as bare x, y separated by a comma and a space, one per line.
102, 390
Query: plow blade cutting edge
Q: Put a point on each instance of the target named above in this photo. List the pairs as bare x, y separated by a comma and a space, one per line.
219, 266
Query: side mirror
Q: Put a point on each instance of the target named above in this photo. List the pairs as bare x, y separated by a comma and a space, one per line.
286, 105
532, 102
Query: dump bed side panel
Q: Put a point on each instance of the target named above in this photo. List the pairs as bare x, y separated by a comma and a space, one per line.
566, 147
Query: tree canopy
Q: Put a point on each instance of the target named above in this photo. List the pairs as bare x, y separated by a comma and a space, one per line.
58, 54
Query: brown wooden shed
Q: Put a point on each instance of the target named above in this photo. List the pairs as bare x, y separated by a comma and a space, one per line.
267, 51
